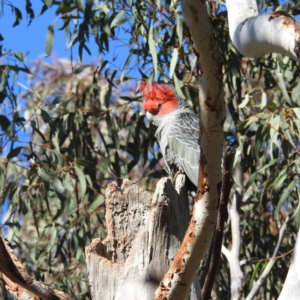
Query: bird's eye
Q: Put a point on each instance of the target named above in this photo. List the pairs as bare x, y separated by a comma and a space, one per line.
159, 105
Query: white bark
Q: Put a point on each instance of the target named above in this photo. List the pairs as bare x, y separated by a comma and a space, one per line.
232, 255
255, 35
179, 277
143, 237
291, 288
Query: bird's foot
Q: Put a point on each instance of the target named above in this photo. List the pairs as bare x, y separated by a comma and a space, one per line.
179, 172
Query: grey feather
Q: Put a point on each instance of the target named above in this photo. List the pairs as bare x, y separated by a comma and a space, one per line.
177, 135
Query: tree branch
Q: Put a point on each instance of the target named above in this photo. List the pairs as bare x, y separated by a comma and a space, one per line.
272, 260
222, 216
178, 279
256, 35
13, 271
233, 254
291, 287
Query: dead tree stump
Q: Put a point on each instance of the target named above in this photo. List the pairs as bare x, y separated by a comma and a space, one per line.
144, 233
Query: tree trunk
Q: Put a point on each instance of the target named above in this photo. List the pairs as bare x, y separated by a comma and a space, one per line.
144, 233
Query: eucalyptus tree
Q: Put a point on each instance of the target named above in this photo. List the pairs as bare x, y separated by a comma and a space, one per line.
84, 127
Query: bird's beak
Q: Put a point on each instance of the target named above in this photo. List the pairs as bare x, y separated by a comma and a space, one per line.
149, 116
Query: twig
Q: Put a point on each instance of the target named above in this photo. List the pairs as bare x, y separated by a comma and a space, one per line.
268, 268
15, 272
222, 216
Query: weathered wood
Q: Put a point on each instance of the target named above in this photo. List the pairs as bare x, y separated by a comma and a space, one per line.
144, 233
16, 282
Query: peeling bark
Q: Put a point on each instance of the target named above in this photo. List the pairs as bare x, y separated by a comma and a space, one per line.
144, 233
179, 277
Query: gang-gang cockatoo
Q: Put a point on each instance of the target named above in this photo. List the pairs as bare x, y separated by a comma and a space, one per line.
177, 130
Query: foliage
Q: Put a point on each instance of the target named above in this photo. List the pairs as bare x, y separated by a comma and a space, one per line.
75, 127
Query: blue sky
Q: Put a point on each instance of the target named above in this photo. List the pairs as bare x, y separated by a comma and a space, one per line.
32, 39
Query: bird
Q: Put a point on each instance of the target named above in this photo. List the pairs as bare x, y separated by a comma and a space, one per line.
177, 129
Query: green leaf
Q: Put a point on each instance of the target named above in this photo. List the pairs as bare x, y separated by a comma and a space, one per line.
127, 62
18, 15
263, 100
152, 49
79, 248
48, 2
118, 19
267, 166
250, 180
35, 129
82, 181
271, 105
173, 61
97, 203
12, 171
45, 116
285, 195
286, 129
29, 11
81, 68
53, 232
178, 86
59, 189
103, 65
13, 153
179, 29
80, 50
254, 273
19, 55
65, 9
245, 101
4, 122
50, 39
44, 176
297, 112
274, 130
279, 180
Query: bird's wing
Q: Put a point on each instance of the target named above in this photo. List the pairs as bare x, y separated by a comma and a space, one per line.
183, 142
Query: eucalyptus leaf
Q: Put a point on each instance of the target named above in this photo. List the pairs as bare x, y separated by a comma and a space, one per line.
49, 40
81, 180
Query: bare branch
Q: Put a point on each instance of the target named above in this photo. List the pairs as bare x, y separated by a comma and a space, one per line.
233, 254
234, 262
272, 260
13, 271
218, 237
